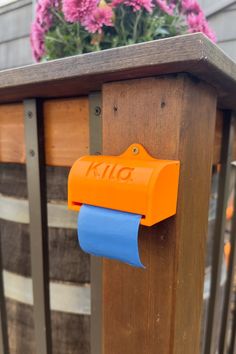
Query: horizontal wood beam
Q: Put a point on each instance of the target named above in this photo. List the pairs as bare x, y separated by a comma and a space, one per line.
194, 54
66, 131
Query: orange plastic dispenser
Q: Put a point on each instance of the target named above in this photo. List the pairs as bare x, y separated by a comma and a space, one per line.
133, 182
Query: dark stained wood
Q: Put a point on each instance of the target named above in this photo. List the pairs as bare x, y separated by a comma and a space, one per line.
67, 261
68, 265
159, 308
66, 131
70, 333
218, 137
13, 181
193, 53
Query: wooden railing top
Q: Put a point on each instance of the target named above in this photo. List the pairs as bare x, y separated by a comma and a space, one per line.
78, 75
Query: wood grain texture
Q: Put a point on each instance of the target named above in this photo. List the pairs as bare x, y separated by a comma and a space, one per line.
66, 121
68, 265
81, 74
159, 309
12, 133
13, 181
70, 333
66, 131
218, 138
67, 261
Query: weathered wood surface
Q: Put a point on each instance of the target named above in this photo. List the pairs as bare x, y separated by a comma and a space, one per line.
82, 74
218, 138
65, 329
67, 261
160, 307
66, 131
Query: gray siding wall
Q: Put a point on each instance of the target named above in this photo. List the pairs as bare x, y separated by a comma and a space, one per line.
222, 18
15, 20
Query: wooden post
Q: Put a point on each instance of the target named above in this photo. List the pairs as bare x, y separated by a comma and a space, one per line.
158, 310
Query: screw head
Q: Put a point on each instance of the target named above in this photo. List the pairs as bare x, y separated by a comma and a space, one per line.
135, 150
98, 111
32, 153
29, 114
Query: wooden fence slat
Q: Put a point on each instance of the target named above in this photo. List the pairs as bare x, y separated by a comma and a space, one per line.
159, 308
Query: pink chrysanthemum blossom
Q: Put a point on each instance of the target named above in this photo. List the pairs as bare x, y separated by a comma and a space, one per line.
78, 10
101, 16
190, 6
198, 23
43, 14
42, 23
37, 41
135, 4
166, 7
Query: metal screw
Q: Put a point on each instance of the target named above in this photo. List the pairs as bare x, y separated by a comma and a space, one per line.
32, 153
30, 114
135, 150
98, 111
163, 104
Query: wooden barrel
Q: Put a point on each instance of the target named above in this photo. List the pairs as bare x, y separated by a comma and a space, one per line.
69, 266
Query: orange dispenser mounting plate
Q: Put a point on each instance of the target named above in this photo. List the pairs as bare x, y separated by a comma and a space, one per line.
133, 182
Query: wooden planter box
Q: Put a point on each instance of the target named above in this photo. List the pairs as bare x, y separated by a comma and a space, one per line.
176, 97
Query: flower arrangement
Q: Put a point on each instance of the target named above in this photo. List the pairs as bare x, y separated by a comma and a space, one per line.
67, 27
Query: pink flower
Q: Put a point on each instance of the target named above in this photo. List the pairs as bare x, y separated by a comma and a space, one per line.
42, 23
135, 4
37, 41
165, 7
101, 16
191, 6
198, 23
78, 10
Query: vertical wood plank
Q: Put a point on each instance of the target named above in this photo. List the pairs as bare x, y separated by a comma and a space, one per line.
159, 309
